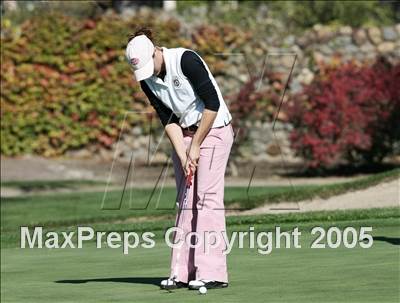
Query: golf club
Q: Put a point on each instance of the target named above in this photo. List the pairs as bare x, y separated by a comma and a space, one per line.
181, 218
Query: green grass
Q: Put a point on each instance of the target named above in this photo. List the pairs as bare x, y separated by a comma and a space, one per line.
285, 275
50, 184
299, 193
10, 237
70, 208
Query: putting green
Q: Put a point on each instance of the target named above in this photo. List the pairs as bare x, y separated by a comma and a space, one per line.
286, 275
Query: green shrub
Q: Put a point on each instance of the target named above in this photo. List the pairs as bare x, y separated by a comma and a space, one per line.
353, 13
295, 16
66, 83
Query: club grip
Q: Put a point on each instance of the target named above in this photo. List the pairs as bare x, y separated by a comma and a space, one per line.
189, 178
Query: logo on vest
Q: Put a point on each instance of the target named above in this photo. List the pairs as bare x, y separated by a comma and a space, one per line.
176, 82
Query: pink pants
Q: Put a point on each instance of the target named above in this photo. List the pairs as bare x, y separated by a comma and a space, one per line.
204, 211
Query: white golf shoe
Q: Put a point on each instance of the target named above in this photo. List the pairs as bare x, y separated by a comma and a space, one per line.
171, 284
196, 284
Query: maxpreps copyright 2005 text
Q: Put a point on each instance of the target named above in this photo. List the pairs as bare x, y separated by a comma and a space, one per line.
263, 241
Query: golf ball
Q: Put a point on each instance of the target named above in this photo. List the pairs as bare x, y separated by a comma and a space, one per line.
203, 290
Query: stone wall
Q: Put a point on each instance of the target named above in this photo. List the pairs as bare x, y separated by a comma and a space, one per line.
320, 44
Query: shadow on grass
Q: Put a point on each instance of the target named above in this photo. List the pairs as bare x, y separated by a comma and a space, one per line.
134, 280
393, 241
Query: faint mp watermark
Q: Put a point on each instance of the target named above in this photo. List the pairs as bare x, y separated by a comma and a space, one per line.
110, 203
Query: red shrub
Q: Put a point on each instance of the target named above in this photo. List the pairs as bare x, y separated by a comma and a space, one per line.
347, 114
254, 104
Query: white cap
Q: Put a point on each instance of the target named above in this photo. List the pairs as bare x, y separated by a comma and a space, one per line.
139, 53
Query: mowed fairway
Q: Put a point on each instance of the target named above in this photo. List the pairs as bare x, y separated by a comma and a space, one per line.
285, 275
105, 274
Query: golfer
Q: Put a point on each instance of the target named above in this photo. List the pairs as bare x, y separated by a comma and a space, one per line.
189, 103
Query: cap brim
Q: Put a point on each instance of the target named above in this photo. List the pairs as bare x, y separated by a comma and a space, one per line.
145, 72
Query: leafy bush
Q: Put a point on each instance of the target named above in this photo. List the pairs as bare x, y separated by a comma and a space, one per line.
347, 114
253, 103
354, 13
264, 17
66, 83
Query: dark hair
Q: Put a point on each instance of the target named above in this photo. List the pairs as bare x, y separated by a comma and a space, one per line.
143, 30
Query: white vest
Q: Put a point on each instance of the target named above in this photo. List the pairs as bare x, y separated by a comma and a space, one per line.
177, 93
